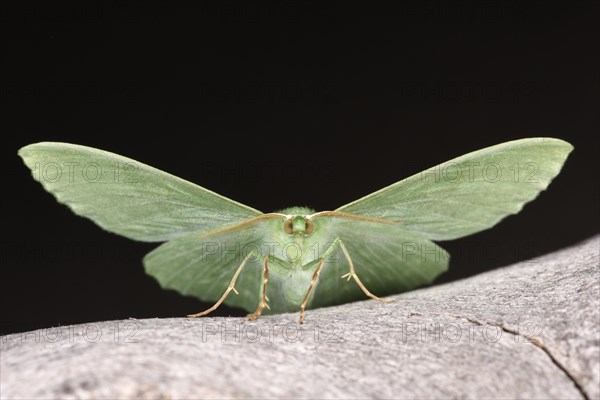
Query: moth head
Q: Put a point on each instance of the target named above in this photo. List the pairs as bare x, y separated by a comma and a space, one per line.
298, 224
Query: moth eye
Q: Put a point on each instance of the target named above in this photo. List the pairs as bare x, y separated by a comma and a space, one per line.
309, 226
287, 226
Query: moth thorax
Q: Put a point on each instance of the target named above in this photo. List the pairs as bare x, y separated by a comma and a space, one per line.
298, 224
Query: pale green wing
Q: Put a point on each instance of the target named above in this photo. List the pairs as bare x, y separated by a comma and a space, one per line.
470, 193
202, 265
127, 197
387, 259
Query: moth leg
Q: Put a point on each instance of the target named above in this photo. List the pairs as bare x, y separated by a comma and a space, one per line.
313, 281
352, 275
229, 288
349, 275
263, 300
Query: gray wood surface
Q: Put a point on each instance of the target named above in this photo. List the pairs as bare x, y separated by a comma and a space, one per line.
530, 330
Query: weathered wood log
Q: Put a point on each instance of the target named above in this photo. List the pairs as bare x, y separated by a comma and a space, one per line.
530, 330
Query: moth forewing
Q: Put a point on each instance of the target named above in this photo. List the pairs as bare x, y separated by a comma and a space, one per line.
470, 193
128, 197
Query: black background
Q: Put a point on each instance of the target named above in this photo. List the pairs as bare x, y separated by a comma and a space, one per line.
277, 105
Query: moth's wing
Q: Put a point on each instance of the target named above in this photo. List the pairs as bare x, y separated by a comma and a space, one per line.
387, 258
470, 193
202, 265
127, 197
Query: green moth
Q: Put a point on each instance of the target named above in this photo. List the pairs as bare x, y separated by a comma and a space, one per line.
293, 259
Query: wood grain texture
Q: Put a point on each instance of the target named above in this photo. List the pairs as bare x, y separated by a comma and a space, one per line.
530, 330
